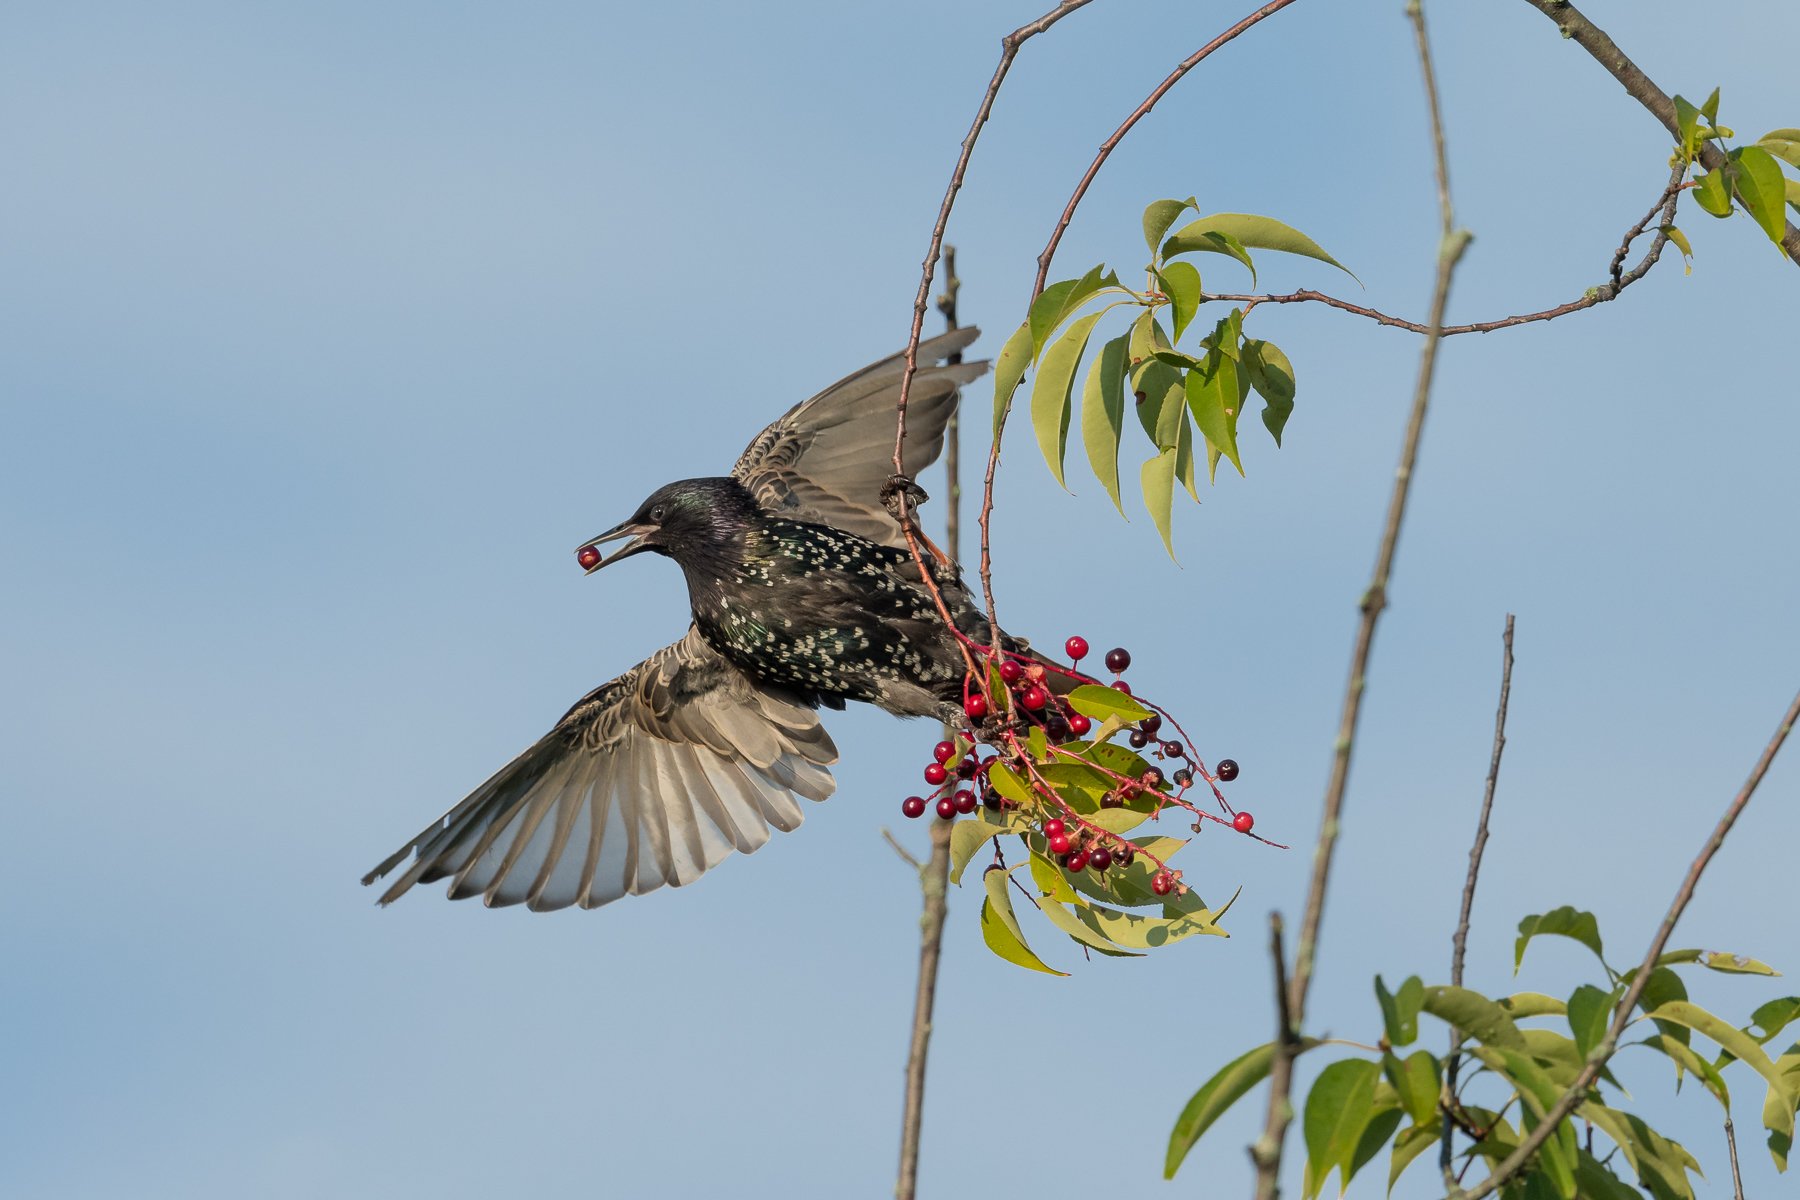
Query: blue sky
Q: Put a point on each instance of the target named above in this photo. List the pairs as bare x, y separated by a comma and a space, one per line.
327, 331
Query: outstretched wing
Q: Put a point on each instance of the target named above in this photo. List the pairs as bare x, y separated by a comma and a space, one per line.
825, 461
651, 779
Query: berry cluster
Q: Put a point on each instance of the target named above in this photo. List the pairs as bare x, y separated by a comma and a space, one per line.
1025, 697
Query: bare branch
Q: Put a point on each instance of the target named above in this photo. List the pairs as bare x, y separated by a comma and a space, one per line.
906, 856
1460, 942
1590, 37
1265, 1153
1567, 1102
1451, 245
1737, 1180
934, 876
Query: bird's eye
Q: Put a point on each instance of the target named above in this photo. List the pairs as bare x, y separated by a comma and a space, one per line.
656, 514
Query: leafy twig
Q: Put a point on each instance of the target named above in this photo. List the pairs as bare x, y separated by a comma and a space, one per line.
1590, 37
1460, 942
1577, 1092
1450, 249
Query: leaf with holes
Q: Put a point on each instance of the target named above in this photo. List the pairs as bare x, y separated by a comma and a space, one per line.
1717, 960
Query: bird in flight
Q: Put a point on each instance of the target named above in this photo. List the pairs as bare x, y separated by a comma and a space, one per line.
804, 595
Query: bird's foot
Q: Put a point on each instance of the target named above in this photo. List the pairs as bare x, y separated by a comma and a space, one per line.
901, 495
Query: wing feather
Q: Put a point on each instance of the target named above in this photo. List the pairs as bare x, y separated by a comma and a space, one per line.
651, 779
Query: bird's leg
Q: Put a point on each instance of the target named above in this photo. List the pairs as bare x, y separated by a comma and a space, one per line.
892, 492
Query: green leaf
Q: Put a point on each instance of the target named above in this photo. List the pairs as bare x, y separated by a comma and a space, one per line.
1564, 922
1130, 886
1159, 215
1100, 702
1258, 233
1050, 394
1212, 398
1761, 187
1660, 1164
1474, 1014
1056, 303
1783, 148
1272, 375
1597, 1182
1717, 960
1778, 1110
1793, 194
970, 835
1158, 480
1064, 920
1216, 1096
1710, 109
1684, 1058
1009, 368
1193, 239
1712, 193
1532, 1004
1000, 929
1539, 1093
1590, 1013
1400, 1010
1687, 120
1416, 1080
1663, 986
1184, 455
1681, 243
1775, 1016
1012, 786
1181, 282
1337, 1110
1781, 135
1103, 415
1382, 1123
1409, 1145
1049, 878
1148, 933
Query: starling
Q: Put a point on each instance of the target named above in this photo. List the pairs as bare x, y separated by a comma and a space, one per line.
804, 595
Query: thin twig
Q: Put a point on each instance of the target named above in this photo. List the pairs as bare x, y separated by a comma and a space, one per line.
1618, 280
1577, 1092
1451, 245
1590, 37
934, 875
1118, 135
1737, 1180
906, 855
1460, 943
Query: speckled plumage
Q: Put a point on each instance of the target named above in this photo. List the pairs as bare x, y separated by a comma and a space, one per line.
803, 595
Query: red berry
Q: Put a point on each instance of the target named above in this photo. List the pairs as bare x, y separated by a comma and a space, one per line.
1243, 822
1011, 671
1054, 826
975, 707
1122, 686
1162, 883
946, 808
913, 806
1059, 843
1076, 648
588, 557
944, 751
1118, 658
1227, 770
966, 802
935, 774
1100, 859
1078, 861
1034, 698
1079, 724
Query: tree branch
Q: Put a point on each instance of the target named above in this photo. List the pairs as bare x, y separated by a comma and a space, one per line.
934, 875
1460, 942
1639, 86
1451, 245
1569, 1100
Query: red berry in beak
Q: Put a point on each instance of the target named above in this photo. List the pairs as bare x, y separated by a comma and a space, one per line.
588, 557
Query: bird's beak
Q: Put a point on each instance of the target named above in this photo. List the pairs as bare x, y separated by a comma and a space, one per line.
639, 532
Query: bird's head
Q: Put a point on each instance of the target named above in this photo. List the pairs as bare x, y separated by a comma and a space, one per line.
688, 520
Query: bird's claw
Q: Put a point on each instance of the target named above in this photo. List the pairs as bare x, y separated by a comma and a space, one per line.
897, 487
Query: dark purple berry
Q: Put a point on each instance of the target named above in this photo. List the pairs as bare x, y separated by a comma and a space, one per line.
1100, 859
1138, 739
1174, 749
1118, 658
1183, 777
1227, 770
1151, 724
